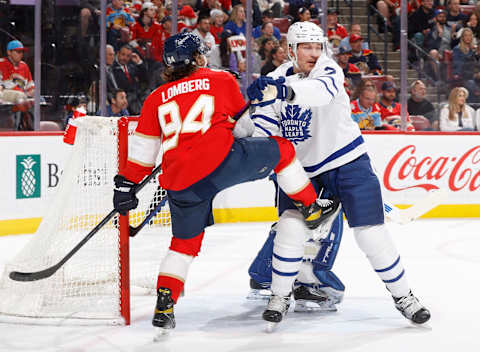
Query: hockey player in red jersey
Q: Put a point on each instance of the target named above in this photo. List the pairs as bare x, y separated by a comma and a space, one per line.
191, 118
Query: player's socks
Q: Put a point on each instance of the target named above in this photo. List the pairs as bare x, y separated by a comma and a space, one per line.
163, 316
411, 308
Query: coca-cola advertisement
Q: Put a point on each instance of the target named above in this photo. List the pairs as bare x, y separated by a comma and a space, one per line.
409, 166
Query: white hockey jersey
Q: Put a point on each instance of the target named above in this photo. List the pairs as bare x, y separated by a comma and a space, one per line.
318, 121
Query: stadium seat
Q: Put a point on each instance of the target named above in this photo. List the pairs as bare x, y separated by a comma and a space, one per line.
281, 23
421, 123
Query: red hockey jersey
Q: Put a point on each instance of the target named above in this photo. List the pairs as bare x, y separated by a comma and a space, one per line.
191, 120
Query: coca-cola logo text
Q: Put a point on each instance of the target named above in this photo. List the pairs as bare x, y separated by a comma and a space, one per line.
424, 171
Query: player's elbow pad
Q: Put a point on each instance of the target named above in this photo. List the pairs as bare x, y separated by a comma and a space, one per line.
244, 127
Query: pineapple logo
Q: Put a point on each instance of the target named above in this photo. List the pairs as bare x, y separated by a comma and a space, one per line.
28, 176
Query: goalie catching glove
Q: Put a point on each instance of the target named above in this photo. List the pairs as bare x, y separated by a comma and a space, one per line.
124, 198
265, 90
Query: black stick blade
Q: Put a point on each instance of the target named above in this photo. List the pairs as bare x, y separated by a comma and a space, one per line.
39, 275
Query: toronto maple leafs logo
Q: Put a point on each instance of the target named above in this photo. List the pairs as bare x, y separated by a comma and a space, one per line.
295, 123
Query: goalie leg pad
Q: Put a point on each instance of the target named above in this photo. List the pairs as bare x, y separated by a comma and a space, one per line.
261, 268
329, 246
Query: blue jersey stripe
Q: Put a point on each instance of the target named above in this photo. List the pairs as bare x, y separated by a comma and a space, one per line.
285, 259
265, 118
326, 86
263, 129
396, 278
388, 268
333, 82
281, 273
348, 148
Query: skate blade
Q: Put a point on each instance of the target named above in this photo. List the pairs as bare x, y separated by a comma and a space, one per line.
270, 327
309, 306
161, 334
259, 295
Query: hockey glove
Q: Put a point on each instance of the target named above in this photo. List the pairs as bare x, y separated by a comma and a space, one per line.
124, 198
265, 90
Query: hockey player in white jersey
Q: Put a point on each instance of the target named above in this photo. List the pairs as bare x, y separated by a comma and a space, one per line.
305, 101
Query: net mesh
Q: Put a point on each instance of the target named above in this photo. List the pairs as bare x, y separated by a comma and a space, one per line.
88, 285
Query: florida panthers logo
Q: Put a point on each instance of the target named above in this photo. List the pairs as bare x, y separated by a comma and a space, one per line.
296, 124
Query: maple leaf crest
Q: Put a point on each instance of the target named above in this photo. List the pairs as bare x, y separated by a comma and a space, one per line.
295, 123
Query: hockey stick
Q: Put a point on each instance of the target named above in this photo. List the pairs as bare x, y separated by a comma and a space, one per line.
156, 205
404, 216
43, 274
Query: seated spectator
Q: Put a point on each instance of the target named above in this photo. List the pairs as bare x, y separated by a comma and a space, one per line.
15, 73
457, 115
118, 21
130, 72
186, 18
203, 31
145, 29
388, 9
365, 82
267, 17
216, 24
265, 48
364, 59
336, 32
117, 104
256, 13
267, 33
420, 22
473, 24
390, 110
352, 74
277, 57
357, 30
303, 15
295, 5
463, 57
209, 5
365, 110
419, 105
455, 17
437, 41
89, 14
237, 25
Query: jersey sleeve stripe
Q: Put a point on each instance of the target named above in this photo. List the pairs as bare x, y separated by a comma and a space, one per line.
333, 81
267, 132
349, 147
143, 149
265, 118
326, 86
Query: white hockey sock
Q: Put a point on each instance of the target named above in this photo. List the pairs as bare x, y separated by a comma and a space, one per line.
288, 250
175, 265
377, 244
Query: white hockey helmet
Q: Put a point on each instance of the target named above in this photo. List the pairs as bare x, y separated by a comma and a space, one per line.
304, 32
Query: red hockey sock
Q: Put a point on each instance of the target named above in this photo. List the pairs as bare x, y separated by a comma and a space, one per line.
175, 285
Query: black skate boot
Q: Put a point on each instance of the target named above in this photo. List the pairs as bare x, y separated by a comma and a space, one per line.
312, 299
411, 308
319, 211
163, 318
259, 291
276, 309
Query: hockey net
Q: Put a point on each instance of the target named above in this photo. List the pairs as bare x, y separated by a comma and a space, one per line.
94, 286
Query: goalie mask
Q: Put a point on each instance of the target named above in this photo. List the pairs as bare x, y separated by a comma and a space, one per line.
304, 32
180, 50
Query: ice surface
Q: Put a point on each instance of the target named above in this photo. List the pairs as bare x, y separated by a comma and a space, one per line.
442, 261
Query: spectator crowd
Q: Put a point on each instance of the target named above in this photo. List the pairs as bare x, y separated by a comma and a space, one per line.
446, 31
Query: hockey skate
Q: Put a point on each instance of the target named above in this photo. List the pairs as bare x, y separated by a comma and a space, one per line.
163, 318
411, 308
259, 291
277, 308
318, 212
314, 299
